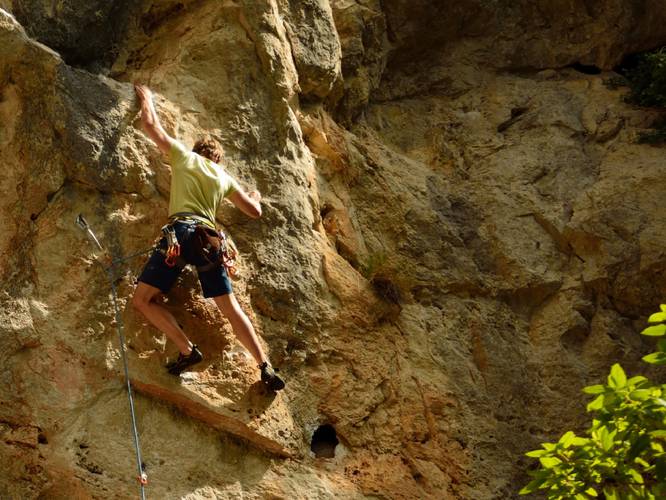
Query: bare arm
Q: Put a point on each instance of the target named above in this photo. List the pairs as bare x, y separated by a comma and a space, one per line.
150, 121
249, 204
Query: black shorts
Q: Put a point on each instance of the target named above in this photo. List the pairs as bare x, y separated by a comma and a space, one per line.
157, 273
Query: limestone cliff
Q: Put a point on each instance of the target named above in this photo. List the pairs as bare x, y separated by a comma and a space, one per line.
460, 231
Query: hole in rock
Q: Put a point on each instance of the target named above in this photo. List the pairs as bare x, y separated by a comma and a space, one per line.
33, 216
587, 69
324, 441
386, 289
325, 210
41, 438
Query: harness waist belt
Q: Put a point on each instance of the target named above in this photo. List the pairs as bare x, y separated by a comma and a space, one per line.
190, 216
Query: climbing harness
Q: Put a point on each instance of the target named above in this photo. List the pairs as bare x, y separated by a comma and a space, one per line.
83, 224
210, 244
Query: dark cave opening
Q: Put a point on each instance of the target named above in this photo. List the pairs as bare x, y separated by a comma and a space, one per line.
324, 441
586, 69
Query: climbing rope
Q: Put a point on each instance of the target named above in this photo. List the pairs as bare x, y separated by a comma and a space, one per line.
143, 478
83, 224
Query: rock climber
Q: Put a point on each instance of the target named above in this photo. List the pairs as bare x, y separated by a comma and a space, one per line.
198, 184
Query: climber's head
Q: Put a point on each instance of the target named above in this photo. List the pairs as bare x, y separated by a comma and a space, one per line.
209, 148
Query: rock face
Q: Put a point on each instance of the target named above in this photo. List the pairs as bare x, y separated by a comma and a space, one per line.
85, 34
460, 231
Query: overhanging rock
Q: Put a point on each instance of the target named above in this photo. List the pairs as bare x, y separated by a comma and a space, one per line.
215, 417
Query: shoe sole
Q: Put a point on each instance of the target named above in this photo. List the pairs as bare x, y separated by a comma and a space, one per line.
181, 370
275, 384
177, 370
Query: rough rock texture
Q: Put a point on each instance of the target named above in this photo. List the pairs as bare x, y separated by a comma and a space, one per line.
459, 232
85, 33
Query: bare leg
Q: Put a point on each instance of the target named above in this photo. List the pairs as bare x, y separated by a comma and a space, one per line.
241, 325
160, 317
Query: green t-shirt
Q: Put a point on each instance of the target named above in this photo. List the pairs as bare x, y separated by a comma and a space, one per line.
197, 184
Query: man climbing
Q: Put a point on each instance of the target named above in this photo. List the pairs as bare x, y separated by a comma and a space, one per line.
198, 184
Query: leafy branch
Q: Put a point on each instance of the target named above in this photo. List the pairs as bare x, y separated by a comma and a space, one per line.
622, 455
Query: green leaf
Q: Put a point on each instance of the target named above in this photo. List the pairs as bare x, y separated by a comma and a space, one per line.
655, 331
636, 476
597, 404
606, 438
594, 389
658, 433
661, 345
617, 378
638, 379
611, 494
592, 492
656, 358
550, 462
567, 439
536, 453
663, 307
657, 317
635, 491
533, 485
640, 394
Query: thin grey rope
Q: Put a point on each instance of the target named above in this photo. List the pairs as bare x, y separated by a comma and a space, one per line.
83, 224
139, 463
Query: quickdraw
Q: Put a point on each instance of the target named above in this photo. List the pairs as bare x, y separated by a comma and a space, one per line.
173, 247
228, 255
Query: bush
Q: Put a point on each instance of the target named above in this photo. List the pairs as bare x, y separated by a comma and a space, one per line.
648, 79
622, 455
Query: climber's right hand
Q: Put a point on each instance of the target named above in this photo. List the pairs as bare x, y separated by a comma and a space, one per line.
143, 93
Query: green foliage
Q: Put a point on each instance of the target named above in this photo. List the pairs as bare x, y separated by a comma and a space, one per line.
647, 83
648, 79
623, 454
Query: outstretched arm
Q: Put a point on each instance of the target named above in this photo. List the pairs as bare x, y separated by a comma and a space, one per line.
150, 121
249, 204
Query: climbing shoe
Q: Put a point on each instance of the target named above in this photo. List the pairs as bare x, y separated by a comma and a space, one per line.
270, 378
183, 362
